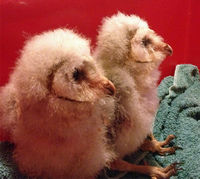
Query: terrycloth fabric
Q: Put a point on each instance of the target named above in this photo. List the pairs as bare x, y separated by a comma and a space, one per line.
178, 114
8, 169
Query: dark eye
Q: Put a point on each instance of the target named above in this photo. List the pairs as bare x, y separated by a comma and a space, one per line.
77, 74
146, 41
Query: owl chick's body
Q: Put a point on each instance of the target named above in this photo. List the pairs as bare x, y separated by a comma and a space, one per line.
135, 111
59, 97
134, 71
130, 53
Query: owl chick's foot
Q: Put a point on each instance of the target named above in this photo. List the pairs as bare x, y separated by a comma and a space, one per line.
154, 172
153, 145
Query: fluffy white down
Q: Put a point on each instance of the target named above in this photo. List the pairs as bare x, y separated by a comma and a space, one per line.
136, 109
114, 37
136, 83
54, 138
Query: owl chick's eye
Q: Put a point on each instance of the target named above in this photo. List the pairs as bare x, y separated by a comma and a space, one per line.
146, 41
77, 74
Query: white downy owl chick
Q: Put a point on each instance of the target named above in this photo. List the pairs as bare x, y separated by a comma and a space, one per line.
130, 53
55, 108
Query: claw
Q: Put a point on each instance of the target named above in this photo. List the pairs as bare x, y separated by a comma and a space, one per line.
179, 169
177, 148
155, 146
174, 166
152, 171
177, 163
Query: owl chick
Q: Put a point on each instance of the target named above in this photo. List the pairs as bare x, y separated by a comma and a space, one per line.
130, 53
54, 108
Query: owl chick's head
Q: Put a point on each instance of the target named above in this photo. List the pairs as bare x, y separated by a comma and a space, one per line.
147, 47
58, 64
124, 38
78, 79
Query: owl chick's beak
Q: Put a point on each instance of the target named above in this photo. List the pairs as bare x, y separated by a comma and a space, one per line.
107, 87
167, 50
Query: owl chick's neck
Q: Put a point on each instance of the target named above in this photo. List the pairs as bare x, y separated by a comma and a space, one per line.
145, 75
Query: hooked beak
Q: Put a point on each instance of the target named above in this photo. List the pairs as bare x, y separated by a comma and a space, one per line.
109, 88
105, 86
167, 50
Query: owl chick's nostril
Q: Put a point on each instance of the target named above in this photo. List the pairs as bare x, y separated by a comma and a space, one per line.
168, 50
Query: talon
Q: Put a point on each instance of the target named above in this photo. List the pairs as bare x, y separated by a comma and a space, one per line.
177, 163
152, 171
174, 166
177, 148
172, 151
179, 169
155, 146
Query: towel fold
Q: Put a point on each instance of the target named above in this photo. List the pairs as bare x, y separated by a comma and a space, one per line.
179, 114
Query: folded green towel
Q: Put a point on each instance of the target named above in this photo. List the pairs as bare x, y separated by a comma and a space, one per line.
178, 114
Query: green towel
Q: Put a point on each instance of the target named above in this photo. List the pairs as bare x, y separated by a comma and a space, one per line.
179, 114
8, 169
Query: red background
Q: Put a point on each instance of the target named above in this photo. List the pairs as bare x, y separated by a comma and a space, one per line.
176, 20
